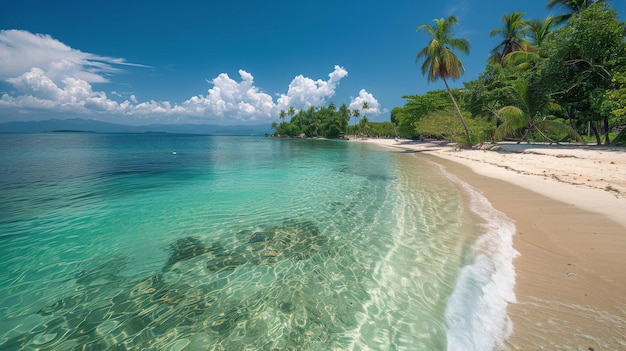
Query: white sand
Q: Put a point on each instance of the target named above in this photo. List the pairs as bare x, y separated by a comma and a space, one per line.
591, 177
569, 206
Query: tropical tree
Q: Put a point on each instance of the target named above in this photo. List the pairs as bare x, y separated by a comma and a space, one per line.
514, 35
492, 90
571, 6
417, 107
364, 126
356, 114
365, 107
583, 58
532, 114
440, 62
291, 112
538, 31
343, 119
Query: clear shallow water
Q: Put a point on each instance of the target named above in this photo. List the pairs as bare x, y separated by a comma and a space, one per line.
235, 243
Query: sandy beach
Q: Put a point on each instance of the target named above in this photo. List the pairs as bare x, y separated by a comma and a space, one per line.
569, 206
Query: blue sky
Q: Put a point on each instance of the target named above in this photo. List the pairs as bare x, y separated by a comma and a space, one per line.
227, 62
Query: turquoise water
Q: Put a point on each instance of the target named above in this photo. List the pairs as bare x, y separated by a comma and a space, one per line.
184, 242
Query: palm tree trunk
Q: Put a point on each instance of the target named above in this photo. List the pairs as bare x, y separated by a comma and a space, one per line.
458, 110
607, 139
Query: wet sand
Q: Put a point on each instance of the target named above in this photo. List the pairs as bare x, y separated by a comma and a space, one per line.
571, 235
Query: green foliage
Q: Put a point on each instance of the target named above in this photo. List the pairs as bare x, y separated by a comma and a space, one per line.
613, 102
620, 139
440, 62
514, 35
492, 90
325, 121
571, 7
583, 57
443, 124
417, 107
532, 115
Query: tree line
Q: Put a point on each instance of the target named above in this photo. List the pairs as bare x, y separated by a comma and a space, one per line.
547, 79
329, 122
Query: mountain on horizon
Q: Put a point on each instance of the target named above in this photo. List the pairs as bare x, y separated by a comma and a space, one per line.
86, 125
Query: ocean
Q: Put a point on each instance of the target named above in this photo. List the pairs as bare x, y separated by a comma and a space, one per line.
192, 242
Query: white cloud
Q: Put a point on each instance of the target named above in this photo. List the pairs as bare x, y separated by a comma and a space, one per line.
304, 92
373, 104
48, 75
21, 50
241, 101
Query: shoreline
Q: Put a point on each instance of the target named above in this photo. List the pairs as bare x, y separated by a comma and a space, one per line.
571, 236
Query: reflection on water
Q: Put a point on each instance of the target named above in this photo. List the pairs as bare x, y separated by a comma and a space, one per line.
246, 244
276, 288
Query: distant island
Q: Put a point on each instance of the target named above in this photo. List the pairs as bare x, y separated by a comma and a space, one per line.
79, 125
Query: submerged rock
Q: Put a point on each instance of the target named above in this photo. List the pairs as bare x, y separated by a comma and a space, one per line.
184, 249
124, 315
292, 239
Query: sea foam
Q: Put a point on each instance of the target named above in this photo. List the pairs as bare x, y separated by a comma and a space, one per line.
476, 311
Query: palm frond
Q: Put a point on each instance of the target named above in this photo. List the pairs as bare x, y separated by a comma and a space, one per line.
558, 131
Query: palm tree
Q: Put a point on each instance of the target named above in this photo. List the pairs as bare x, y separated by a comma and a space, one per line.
364, 107
344, 118
291, 112
532, 114
364, 120
439, 59
514, 33
364, 126
572, 7
355, 113
538, 31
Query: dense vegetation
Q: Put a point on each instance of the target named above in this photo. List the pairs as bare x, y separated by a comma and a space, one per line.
547, 80
551, 79
330, 122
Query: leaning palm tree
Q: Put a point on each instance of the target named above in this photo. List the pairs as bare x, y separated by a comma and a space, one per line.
439, 59
572, 7
514, 35
532, 114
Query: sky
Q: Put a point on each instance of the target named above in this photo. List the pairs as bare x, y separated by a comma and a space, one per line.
228, 62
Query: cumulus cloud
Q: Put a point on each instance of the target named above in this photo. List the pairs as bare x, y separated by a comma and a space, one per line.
38, 90
305, 92
48, 75
373, 104
228, 98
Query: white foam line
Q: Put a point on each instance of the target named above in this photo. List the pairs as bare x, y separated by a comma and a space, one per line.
476, 311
